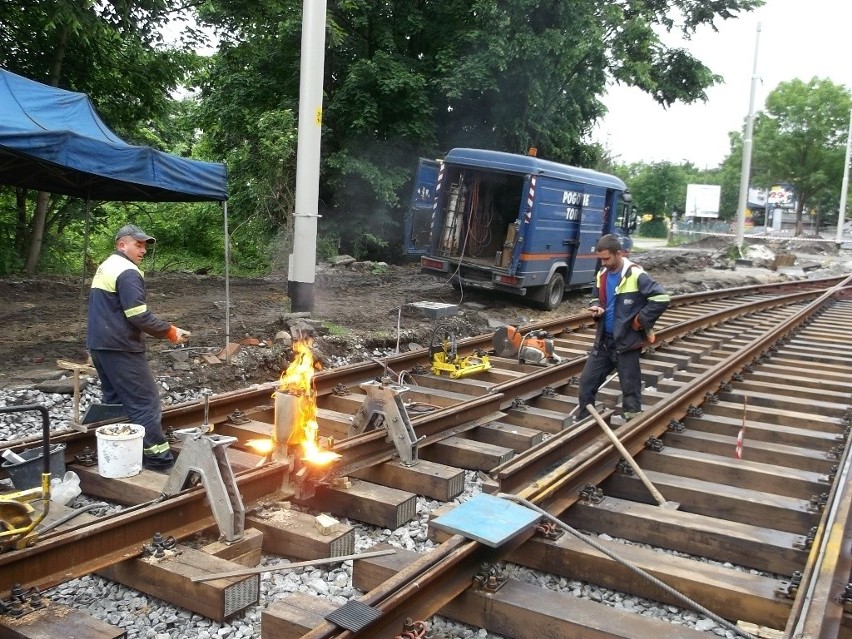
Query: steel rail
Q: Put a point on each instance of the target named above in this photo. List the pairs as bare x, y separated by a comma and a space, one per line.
84, 549
64, 556
424, 592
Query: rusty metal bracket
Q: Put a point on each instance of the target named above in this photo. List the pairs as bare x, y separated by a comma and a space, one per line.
623, 466
489, 579
22, 601
677, 426
711, 398
694, 411
159, 545
548, 391
340, 390
87, 458
520, 403
238, 417
788, 589
655, 444
591, 494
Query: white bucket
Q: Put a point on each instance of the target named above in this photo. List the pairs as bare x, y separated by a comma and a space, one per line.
119, 450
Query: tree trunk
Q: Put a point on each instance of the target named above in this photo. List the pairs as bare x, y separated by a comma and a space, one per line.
37, 236
800, 205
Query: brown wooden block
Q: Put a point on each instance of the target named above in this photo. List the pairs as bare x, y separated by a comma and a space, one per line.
128, 491
333, 423
760, 548
525, 611
367, 502
742, 595
436, 534
466, 453
293, 534
56, 620
425, 478
170, 579
245, 552
293, 616
538, 418
507, 435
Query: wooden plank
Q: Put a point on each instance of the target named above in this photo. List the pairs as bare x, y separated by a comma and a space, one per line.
469, 386
367, 502
294, 615
333, 424
741, 544
170, 579
729, 471
426, 478
512, 436
127, 491
524, 611
245, 552
758, 431
771, 415
57, 620
293, 534
530, 416
466, 453
729, 502
731, 593
753, 450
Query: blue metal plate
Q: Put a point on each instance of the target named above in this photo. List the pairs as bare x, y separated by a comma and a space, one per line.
488, 520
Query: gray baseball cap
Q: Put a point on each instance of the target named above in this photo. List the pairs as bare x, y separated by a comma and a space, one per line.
135, 232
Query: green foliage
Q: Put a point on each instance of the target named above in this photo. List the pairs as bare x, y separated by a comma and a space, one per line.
654, 228
406, 79
800, 138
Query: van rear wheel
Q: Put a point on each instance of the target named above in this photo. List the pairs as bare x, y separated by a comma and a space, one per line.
553, 292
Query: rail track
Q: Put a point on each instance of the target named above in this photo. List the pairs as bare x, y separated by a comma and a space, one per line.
759, 540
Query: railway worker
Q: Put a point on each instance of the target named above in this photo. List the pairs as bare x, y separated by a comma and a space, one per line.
627, 302
118, 321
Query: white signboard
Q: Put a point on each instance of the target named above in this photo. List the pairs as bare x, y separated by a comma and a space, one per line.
702, 201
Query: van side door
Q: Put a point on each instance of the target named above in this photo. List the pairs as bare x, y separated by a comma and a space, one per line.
418, 218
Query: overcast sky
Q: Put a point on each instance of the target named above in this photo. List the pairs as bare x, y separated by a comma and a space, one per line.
798, 39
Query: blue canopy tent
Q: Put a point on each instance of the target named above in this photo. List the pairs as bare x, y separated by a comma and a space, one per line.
53, 140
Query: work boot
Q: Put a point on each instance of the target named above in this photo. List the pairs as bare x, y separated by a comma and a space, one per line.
630, 414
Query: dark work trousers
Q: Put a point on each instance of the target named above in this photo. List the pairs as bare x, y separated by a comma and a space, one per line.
126, 379
602, 360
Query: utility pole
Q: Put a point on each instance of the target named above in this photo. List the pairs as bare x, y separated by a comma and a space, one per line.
844, 186
302, 265
747, 140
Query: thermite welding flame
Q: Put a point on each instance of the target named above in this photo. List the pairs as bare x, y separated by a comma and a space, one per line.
262, 446
298, 380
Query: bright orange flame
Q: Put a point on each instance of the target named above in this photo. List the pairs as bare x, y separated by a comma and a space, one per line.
262, 446
298, 380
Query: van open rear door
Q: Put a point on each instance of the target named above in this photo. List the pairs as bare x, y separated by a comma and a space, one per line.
418, 219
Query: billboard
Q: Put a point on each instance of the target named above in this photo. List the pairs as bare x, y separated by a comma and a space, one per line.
702, 201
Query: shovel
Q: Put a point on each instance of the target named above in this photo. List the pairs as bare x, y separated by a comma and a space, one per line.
661, 501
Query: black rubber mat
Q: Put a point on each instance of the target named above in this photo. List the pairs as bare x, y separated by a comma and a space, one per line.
354, 615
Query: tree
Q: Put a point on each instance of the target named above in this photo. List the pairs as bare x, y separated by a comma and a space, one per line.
800, 138
416, 77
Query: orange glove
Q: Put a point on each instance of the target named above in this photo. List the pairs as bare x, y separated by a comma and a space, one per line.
178, 335
635, 325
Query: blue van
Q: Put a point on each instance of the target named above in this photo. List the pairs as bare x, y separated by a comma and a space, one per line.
514, 223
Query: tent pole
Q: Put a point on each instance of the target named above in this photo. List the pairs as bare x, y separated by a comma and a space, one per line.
83, 271
227, 285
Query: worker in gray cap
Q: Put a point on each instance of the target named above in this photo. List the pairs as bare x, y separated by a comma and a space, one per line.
118, 321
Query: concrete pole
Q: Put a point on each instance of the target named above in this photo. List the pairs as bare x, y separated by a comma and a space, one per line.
302, 264
747, 140
844, 186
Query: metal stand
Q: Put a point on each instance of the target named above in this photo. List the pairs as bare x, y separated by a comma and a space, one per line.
383, 408
204, 454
